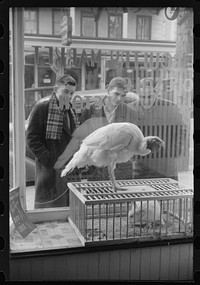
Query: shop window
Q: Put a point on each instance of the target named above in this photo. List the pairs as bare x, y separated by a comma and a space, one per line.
31, 21
143, 28
88, 25
109, 220
115, 26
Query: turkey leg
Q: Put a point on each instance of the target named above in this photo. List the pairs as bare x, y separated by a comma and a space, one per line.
112, 178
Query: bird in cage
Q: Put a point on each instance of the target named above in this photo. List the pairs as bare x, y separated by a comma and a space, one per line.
112, 144
147, 214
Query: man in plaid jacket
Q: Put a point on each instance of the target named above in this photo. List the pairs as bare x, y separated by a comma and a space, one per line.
50, 129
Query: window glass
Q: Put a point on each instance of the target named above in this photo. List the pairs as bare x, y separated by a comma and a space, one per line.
161, 96
92, 77
157, 98
57, 22
143, 28
29, 54
115, 26
46, 76
37, 62
30, 21
88, 26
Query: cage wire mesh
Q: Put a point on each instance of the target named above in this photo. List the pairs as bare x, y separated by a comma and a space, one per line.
145, 209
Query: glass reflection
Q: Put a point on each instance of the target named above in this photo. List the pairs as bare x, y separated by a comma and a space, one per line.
162, 106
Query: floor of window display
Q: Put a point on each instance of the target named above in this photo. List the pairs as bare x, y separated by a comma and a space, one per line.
46, 235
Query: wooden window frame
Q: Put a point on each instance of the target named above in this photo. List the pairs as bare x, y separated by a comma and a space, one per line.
150, 25
88, 14
112, 14
37, 21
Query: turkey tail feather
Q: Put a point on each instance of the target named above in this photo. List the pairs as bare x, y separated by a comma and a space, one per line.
78, 136
79, 160
69, 168
69, 151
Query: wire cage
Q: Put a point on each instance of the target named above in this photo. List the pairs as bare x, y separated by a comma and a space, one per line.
144, 209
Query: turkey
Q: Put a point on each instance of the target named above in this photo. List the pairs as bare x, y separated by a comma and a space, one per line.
89, 126
112, 144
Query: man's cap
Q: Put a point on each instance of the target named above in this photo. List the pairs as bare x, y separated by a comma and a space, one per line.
66, 79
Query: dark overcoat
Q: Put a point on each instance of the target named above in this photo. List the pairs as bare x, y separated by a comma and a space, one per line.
48, 183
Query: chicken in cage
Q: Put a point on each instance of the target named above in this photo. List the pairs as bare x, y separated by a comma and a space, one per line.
147, 209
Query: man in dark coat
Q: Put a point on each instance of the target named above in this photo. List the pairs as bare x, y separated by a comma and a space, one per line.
163, 118
50, 128
112, 110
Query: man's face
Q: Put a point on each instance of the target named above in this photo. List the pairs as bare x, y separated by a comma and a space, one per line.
65, 90
116, 95
147, 97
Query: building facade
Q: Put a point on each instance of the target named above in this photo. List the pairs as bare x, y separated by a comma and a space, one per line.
100, 49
